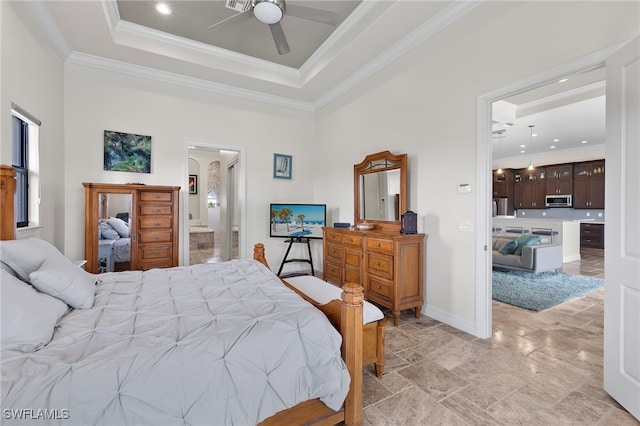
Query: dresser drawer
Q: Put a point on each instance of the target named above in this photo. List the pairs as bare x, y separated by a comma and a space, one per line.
379, 244
333, 237
163, 236
334, 252
333, 273
155, 222
156, 196
352, 240
380, 265
155, 209
155, 252
380, 287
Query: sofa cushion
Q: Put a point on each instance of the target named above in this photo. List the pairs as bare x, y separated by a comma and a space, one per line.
525, 240
508, 248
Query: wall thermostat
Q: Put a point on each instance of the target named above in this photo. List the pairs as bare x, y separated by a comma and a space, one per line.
464, 188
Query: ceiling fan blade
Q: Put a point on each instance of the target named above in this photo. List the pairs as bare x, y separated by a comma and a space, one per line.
279, 38
232, 20
313, 14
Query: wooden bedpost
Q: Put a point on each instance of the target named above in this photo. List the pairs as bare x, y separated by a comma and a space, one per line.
258, 254
351, 330
7, 191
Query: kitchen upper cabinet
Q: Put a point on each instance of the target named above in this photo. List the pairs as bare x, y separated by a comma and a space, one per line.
588, 185
530, 188
503, 184
560, 179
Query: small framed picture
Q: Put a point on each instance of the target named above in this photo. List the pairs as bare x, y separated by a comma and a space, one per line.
282, 166
193, 184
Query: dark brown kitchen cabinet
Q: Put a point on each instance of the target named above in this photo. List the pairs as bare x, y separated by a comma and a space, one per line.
588, 185
503, 184
530, 188
592, 235
560, 179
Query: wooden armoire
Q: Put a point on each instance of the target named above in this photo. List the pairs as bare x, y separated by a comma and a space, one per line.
152, 215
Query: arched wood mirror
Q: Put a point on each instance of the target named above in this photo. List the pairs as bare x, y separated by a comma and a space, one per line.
380, 190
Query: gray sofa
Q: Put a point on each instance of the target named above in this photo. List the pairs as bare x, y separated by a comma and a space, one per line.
540, 257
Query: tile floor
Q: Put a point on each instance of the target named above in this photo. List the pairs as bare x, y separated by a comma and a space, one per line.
539, 368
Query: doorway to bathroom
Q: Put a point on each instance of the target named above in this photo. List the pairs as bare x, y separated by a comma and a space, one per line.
213, 200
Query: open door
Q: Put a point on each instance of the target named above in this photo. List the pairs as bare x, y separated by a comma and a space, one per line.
622, 237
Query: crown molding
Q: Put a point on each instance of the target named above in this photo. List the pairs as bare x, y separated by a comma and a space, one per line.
577, 91
153, 74
50, 28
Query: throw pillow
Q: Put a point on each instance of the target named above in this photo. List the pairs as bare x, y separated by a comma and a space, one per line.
525, 240
26, 255
508, 248
65, 281
28, 317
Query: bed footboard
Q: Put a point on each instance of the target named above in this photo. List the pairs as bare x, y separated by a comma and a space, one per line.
351, 329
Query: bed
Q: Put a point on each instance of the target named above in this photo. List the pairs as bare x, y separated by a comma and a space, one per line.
223, 343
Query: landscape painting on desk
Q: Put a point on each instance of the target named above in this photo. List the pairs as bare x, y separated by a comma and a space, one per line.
297, 220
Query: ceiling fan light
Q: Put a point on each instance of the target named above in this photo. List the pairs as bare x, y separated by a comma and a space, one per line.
268, 12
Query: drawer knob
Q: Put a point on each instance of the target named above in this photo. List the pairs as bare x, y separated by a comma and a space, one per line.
377, 263
155, 237
378, 287
156, 223
156, 195
156, 210
377, 244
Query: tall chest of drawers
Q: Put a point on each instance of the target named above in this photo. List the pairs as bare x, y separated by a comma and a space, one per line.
157, 227
389, 265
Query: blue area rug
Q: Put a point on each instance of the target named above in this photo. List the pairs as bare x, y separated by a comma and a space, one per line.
540, 291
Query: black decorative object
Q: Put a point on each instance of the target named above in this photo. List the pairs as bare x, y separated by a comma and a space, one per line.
409, 222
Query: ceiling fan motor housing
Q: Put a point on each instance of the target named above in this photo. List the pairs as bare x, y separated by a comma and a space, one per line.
268, 11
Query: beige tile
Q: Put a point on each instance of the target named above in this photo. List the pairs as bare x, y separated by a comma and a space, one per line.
466, 410
415, 407
581, 408
433, 379
617, 417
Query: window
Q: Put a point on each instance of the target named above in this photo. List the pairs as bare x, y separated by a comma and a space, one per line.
24, 134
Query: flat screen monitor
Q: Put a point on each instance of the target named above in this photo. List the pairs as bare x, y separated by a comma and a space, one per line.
297, 220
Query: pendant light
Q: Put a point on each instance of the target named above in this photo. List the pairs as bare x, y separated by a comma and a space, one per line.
531, 148
500, 136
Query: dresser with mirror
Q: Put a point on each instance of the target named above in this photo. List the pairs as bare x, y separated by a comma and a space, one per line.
130, 227
374, 252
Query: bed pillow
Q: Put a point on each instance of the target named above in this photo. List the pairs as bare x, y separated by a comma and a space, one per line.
65, 281
26, 255
28, 317
525, 240
508, 247
107, 232
121, 227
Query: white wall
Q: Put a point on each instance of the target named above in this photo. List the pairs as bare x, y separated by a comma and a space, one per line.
97, 100
24, 53
425, 105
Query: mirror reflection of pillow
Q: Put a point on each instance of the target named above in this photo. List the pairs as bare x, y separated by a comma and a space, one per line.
121, 227
107, 232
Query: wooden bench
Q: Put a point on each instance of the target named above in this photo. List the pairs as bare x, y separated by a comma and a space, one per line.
321, 293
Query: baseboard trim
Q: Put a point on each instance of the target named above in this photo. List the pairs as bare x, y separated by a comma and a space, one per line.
449, 319
571, 258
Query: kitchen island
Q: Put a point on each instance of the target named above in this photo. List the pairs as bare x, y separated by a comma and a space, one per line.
563, 232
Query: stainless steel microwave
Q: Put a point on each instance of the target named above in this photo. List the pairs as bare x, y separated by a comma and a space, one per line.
558, 201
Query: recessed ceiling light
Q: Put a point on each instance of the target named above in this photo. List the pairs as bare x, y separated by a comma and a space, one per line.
523, 146
584, 141
552, 147
534, 135
163, 8
522, 152
556, 140
562, 80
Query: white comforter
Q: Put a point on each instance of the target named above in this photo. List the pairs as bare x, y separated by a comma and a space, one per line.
214, 344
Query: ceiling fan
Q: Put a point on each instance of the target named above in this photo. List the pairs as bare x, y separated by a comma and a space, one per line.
271, 12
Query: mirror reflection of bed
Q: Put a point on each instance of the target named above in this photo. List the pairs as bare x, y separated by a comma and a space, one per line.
114, 245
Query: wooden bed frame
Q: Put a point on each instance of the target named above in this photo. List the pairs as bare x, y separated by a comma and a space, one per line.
346, 315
